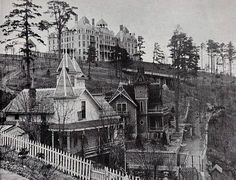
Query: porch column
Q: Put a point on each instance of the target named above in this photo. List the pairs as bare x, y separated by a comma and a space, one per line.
99, 138
68, 141
108, 132
53, 139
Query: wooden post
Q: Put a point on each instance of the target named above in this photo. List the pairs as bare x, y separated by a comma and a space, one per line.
68, 141
99, 139
108, 132
53, 139
192, 169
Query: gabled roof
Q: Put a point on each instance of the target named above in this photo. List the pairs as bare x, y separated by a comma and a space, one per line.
217, 168
84, 20
64, 87
66, 60
106, 107
101, 22
92, 97
140, 77
20, 104
122, 92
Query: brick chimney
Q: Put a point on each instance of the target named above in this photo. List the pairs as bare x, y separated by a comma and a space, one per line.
76, 18
121, 27
93, 21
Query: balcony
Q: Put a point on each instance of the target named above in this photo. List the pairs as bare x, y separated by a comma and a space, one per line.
158, 128
158, 110
123, 114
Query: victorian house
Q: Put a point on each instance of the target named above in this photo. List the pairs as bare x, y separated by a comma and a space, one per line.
150, 137
141, 105
76, 120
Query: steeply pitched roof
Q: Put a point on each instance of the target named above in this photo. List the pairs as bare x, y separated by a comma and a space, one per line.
43, 104
101, 22
107, 110
84, 20
121, 91
66, 60
77, 68
64, 88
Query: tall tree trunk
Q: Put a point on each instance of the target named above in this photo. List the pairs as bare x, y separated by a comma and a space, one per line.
27, 49
59, 44
177, 91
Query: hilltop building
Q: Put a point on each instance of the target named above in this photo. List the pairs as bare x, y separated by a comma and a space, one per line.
127, 40
76, 119
99, 35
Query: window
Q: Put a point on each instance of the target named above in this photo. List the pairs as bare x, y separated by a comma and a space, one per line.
17, 117
83, 43
83, 109
72, 78
155, 123
121, 107
83, 37
79, 43
141, 107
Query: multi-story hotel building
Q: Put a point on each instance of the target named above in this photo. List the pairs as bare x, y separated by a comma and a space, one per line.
83, 34
127, 40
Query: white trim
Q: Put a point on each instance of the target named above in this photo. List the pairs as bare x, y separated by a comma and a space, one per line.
121, 93
93, 98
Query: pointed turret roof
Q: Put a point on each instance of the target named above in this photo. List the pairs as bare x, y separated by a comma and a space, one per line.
77, 68
140, 77
64, 88
66, 60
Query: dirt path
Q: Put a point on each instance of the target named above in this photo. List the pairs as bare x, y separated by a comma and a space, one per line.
7, 175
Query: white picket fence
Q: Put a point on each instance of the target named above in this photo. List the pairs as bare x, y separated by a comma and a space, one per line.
64, 161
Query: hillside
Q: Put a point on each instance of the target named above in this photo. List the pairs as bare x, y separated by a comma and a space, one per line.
103, 74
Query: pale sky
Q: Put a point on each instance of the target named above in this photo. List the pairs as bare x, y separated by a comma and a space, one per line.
156, 20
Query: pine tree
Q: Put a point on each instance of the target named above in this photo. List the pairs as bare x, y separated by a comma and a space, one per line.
158, 54
231, 55
20, 25
185, 62
213, 51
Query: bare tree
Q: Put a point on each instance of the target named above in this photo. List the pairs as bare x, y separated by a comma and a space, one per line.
60, 12
64, 109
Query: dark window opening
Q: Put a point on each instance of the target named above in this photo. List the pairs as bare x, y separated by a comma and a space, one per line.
121, 107
141, 108
17, 116
83, 109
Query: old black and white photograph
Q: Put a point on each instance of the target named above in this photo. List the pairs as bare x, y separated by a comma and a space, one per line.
117, 90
